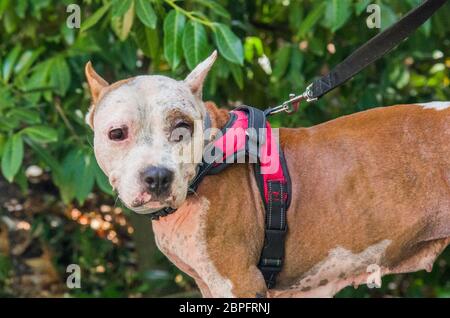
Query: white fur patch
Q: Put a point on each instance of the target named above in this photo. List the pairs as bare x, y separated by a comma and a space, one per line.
340, 268
218, 285
436, 105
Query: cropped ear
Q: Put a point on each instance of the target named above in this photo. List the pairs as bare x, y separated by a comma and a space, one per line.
95, 81
196, 78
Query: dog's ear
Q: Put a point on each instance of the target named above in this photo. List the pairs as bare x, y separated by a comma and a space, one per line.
95, 81
196, 78
96, 85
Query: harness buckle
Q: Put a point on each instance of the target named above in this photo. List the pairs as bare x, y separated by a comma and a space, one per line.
291, 105
288, 106
308, 94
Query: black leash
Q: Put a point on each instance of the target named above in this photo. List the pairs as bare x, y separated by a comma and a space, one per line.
364, 56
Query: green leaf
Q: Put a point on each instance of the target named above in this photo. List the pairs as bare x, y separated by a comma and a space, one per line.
127, 55
10, 21
4, 4
146, 13
94, 18
102, 180
230, 46
218, 9
60, 75
122, 25
252, 44
42, 134
26, 115
85, 178
21, 8
426, 28
195, 44
71, 166
2, 143
221, 68
21, 180
311, 19
12, 157
84, 44
337, 14
37, 81
388, 17
295, 72
49, 160
9, 124
173, 35
26, 60
119, 7
361, 6
10, 61
295, 15
153, 38
148, 41
282, 58
236, 72
215, 7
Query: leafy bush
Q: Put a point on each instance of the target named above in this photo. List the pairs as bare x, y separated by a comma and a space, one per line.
267, 49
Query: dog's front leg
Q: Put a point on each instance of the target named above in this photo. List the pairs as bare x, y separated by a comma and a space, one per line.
204, 290
245, 283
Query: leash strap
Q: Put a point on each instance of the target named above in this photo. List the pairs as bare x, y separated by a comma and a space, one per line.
374, 49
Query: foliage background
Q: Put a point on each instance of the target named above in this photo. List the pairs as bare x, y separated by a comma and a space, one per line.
56, 205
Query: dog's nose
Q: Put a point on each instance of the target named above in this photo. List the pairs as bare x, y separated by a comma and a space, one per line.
158, 180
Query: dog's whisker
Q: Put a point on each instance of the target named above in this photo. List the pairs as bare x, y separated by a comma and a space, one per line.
116, 200
196, 194
89, 142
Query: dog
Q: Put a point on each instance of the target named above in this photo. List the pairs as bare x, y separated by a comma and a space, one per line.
369, 190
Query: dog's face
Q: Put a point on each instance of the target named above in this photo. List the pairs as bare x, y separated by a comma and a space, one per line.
148, 135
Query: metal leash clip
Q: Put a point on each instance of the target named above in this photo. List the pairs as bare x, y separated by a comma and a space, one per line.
291, 106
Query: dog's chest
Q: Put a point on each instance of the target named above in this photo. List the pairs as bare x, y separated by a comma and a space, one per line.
181, 237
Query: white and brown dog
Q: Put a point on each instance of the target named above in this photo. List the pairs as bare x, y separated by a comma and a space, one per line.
371, 188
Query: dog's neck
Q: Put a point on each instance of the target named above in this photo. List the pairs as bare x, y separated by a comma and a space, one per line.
218, 117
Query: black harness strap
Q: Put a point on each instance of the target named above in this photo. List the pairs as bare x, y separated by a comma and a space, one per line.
271, 260
280, 193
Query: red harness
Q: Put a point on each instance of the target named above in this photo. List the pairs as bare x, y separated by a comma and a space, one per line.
248, 137
235, 140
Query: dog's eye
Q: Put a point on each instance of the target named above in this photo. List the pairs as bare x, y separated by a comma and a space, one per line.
118, 134
180, 131
183, 125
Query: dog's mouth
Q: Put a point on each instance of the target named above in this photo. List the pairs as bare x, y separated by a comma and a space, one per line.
150, 206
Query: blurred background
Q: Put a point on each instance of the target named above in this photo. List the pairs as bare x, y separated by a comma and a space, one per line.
56, 206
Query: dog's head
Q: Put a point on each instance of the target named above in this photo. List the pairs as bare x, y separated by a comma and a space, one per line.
148, 135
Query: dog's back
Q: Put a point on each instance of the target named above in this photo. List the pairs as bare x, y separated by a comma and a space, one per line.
370, 188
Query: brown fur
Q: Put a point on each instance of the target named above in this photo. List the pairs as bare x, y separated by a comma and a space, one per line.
357, 180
